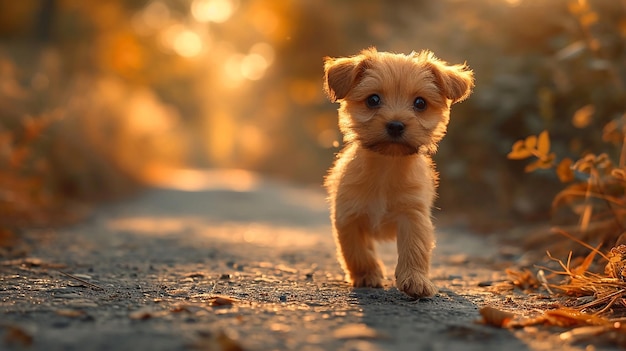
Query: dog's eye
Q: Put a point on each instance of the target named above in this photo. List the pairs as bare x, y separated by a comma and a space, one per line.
373, 101
419, 104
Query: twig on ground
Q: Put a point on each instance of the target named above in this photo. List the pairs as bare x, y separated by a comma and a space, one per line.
91, 285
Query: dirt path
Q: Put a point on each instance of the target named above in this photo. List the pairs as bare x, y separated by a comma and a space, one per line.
145, 274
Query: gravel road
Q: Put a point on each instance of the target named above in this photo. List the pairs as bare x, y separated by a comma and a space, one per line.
224, 260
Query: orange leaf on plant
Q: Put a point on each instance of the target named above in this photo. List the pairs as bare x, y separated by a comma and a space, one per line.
542, 163
584, 266
519, 154
564, 170
519, 151
533, 166
619, 173
543, 143
586, 217
582, 116
530, 142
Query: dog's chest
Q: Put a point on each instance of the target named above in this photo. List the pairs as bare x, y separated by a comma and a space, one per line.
391, 194
365, 185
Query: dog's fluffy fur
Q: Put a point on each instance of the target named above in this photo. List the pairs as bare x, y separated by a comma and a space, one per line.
382, 185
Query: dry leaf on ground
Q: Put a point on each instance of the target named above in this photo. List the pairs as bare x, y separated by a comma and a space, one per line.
358, 331
495, 317
15, 335
222, 301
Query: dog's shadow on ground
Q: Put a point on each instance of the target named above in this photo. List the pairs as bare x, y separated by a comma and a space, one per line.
446, 321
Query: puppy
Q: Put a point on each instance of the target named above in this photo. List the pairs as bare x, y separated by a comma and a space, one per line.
394, 109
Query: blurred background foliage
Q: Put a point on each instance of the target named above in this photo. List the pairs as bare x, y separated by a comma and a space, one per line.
98, 98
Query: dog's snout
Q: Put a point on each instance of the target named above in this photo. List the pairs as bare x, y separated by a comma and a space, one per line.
395, 129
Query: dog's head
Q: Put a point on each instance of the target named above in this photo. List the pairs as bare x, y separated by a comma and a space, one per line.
395, 104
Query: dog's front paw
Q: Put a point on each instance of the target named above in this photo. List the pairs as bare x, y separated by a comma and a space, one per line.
415, 284
368, 280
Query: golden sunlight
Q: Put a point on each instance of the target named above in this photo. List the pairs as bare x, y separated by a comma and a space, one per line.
253, 66
265, 50
217, 11
513, 2
203, 179
146, 114
328, 138
155, 15
148, 225
220, 130
232, 70
188, 43
183, 41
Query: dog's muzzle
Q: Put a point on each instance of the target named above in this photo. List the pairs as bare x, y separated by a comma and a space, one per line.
395, 129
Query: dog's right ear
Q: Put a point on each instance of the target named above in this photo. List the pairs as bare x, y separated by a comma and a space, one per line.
341, 74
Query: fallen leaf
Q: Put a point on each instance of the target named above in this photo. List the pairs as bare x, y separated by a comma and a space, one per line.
357, 331
17, 336
31, 262
8, 238
220, 341
187, 308
523, 279
222, 301
280, 327
495, 317
70, 313
283, 268
613, 334
146, 313
581, 333
195, 275
568, 317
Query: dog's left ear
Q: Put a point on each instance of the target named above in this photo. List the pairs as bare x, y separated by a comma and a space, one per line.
341, 74
456, 81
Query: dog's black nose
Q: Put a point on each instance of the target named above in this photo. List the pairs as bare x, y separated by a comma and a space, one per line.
395, 129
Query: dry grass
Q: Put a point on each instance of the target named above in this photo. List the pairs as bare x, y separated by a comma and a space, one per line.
590, 296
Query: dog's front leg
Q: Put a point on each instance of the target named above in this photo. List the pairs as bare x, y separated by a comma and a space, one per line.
358, 253
415, 244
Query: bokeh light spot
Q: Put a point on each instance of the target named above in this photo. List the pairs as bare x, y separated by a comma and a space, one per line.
232, 70
184, 42
265, 21
583, 116
513, 2
328, 138
304, 92
253, 66
265, 50
217, 11
155, 15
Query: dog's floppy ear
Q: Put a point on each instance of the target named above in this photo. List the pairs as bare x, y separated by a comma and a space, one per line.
455, 81
341, 74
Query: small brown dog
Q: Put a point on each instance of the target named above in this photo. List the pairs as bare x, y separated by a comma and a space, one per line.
394, 110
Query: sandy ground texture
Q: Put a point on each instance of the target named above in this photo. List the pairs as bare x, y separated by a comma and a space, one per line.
228, 261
